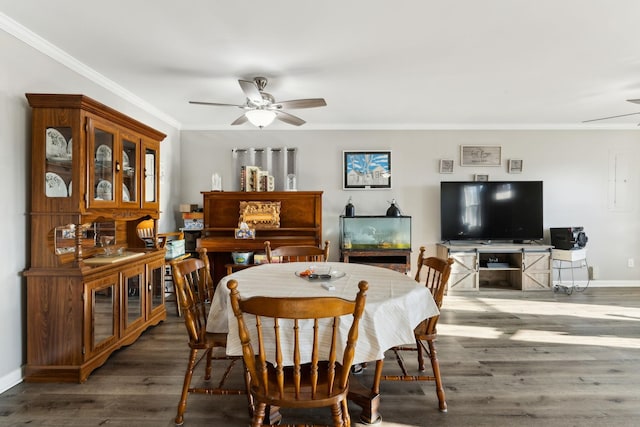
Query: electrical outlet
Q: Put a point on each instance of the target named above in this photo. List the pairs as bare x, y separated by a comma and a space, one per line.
631, 263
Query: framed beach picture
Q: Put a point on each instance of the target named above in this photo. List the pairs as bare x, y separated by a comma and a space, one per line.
366, 170
480, 155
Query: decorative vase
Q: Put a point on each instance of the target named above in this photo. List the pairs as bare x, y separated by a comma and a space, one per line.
349, 209
393, 209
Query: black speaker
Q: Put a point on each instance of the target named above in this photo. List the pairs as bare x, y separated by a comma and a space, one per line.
568, 238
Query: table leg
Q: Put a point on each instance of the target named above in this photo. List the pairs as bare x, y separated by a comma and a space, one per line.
367, 398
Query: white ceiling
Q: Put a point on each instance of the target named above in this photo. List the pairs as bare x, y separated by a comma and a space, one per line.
380, 64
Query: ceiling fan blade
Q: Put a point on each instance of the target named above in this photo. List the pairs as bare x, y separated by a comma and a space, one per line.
610, 117
289, 118
301, 103
635, 101
251, 91
219, 104
240, 120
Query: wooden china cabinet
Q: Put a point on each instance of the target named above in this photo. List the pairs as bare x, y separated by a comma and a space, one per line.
92, 286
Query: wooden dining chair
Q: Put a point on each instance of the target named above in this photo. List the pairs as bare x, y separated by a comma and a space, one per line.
297, 253
147, 232
195, 289
434, 272
318, 375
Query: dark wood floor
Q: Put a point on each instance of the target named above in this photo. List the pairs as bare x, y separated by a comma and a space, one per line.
508, 359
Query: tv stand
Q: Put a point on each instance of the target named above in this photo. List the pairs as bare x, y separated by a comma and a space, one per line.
521, 266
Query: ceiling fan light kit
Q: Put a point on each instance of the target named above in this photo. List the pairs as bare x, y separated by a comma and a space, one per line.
261, 107
260, 118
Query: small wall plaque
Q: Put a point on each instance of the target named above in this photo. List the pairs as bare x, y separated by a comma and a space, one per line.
480, 155
515, 166
446, 166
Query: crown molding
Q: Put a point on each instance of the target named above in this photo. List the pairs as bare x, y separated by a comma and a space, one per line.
35, 41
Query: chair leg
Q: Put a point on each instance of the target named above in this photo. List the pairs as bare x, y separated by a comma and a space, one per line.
336, 414
207, 372
345, 413
247, 385
175, 297
435, 365
182, 405
258, 415
168, 278
420, 355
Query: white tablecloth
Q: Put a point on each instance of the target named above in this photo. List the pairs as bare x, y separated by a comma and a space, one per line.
395, 304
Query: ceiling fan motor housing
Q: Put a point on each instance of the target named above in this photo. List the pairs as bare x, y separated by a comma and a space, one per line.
262, 104
267, 100
261, 82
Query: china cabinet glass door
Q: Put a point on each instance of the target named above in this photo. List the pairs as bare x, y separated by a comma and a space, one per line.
133, 297
151, 173
129, 169
102, 146
102, 313
155, 278
59, 160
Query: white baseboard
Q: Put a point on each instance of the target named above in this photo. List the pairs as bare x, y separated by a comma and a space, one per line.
604, 283
10, 380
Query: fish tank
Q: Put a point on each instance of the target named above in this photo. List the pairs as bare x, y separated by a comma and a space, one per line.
375, 232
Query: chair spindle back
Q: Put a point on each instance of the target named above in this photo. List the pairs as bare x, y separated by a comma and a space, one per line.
299, 376
194, 290
297, 253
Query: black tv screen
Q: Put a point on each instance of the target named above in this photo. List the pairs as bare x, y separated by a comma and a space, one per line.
491, 210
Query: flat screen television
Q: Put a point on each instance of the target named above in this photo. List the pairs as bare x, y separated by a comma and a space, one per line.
491, 210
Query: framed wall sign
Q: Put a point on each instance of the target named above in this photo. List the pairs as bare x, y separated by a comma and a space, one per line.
480, 155
515, 166
366, 170
446, 166
481, 177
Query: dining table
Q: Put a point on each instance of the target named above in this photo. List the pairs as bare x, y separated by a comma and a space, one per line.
395, 305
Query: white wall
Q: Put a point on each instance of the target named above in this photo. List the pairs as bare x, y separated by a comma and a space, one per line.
574, 166
25, 69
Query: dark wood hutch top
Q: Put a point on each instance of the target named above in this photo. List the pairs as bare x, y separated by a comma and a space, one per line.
78, 113
83, 102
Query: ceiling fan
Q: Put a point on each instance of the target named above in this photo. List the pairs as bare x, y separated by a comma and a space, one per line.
635, 101
261, 107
